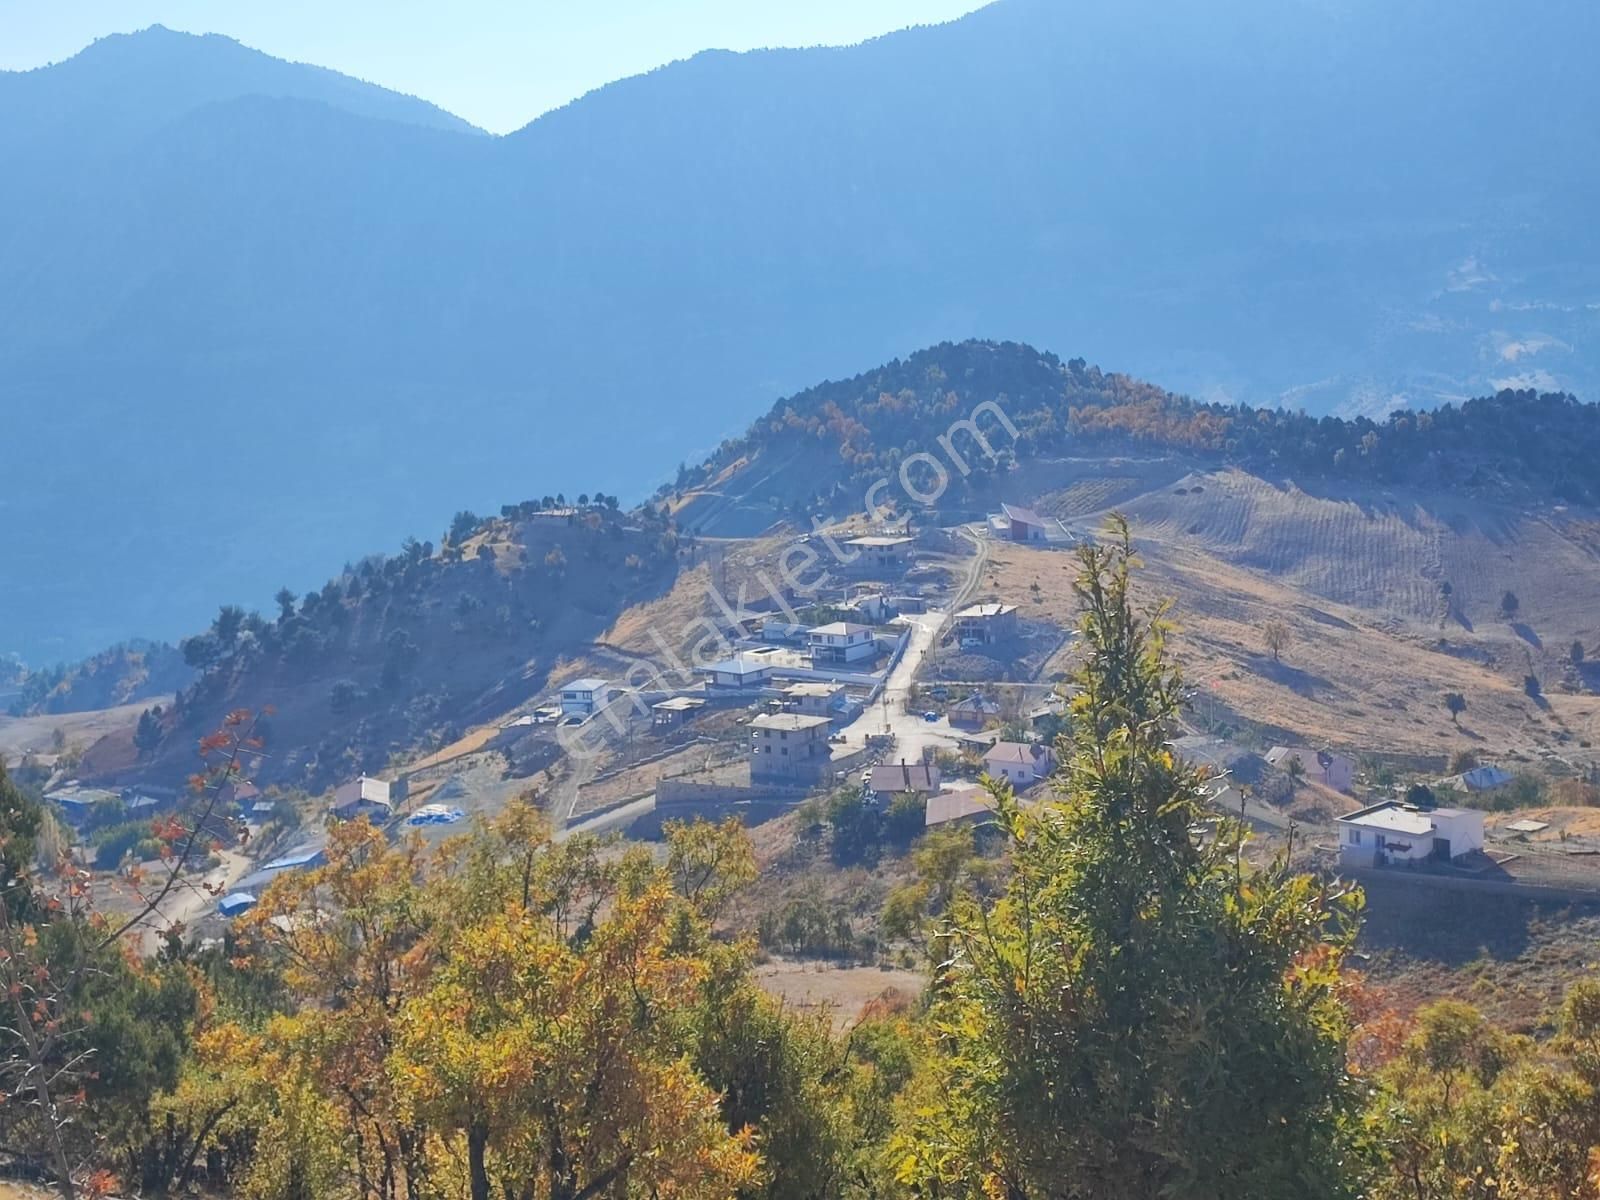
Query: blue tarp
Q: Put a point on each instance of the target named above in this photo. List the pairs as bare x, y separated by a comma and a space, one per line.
235, 903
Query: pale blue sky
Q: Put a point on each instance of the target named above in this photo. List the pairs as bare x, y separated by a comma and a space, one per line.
498, 63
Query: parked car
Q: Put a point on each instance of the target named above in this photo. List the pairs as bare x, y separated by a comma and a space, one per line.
930, 715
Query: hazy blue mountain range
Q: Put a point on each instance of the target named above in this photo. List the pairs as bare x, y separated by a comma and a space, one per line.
253, 315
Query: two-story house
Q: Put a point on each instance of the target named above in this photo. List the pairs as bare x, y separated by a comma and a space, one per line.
841, 642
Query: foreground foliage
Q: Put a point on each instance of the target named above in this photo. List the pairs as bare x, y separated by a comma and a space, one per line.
1120, 1007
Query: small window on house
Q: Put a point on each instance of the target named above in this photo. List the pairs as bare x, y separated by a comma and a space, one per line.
1353, 836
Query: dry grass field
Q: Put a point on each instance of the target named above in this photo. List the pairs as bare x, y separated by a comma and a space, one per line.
1374, 643
843, 992
22, 735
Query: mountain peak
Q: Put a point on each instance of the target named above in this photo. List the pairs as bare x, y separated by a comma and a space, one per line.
128, 83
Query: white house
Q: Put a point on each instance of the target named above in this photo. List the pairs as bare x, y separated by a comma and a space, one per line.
583, 697
1022, 764
744, 672
1395, 832
1318, 766
841, 642
362, 797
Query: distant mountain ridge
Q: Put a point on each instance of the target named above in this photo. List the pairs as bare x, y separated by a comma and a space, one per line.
126, 85
817, 453
246, 331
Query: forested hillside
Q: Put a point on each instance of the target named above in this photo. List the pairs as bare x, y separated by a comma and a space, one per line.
121, 675
822, 447
403, 648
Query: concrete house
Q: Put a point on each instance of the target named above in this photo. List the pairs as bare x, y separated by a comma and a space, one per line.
883, 554
584, 697
985, 624
1317, 766
1022, 764
789, 747
814, 699
871, 607
841, 642
745, 672
1394, 832
673, 712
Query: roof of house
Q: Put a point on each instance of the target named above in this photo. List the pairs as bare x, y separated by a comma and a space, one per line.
954, 805
585, 685
840, 629
813, 689
978, 611
1482, 779
742, 663
1307, 756
72, 794
1395, 818
904, 777
364, 790
975, 703
1024, 753
1026, 516
788, 721
881, 540
305, 856
680, 704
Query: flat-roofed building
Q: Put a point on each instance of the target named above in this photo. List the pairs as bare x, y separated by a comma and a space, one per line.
669, 714
813, 699
882, 553
789, 746
1395, 832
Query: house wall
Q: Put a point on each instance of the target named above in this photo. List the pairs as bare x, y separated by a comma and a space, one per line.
1396, 847
1465, 832
1017, 774
803, 754
1340, 774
